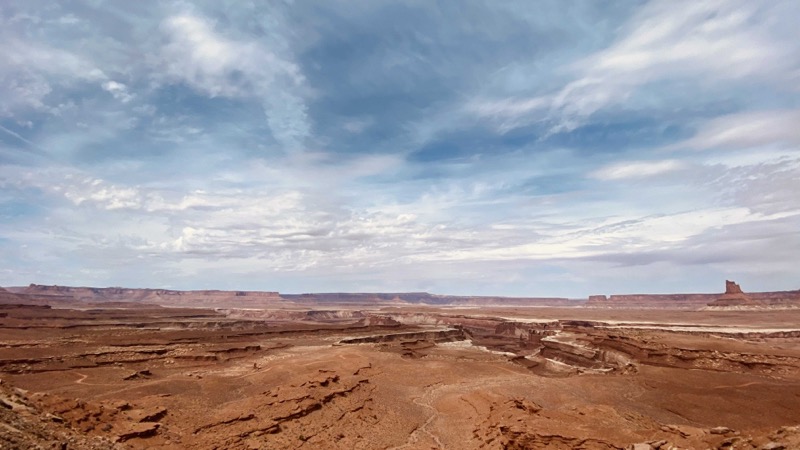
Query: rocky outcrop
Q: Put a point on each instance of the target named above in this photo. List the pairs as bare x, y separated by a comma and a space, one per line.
139, 374
49, 421
519, 423
7, 297
578, 355
654, 353
329, 315
432, 336
153, 414
382, 321
423, 298
734, 296
732, 288
137, 430
10, 299
25, 424
650, 301
296, 414
510, 423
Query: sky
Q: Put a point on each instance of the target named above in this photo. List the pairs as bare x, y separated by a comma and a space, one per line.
512, 148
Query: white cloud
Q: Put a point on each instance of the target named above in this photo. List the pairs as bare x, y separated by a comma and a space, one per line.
197, 55
118, 90
30, 70
508, 113
296, 230
200, 56
766, 186
718, 40
182, 194
510, 107
708, 41
69, 19
22, 90
81, 189
615, 235
357, 126
637, 169
750, 129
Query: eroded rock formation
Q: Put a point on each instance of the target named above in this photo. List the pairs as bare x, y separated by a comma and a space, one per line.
734, 297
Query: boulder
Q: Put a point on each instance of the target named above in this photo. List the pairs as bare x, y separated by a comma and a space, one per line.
640, 446
138, 430
774, 446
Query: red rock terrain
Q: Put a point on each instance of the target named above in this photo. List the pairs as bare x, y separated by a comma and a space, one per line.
132, 374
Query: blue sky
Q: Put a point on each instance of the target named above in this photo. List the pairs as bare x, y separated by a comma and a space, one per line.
510, 148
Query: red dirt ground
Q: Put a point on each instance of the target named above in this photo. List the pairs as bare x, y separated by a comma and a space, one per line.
413, 378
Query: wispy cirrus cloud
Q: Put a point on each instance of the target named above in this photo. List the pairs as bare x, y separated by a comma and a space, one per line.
727, 42
30, 72
197, 54
747, 130
637, 169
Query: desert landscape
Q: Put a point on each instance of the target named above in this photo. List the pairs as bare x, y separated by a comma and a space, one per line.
133, 368
400, 225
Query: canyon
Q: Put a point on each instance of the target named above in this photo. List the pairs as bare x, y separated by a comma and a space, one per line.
118, 368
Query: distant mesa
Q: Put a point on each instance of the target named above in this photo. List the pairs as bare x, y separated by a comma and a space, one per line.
650, 301
255, 299
118, 297
164, 297
733, 297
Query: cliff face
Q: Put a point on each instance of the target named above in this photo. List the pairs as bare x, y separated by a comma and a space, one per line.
651, 301
424, 298
164, 297
733, 296
10, 298
731, 288
41, 294
257, 299
777, 298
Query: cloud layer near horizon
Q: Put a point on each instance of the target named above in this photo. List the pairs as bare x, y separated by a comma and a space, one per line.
478, 148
